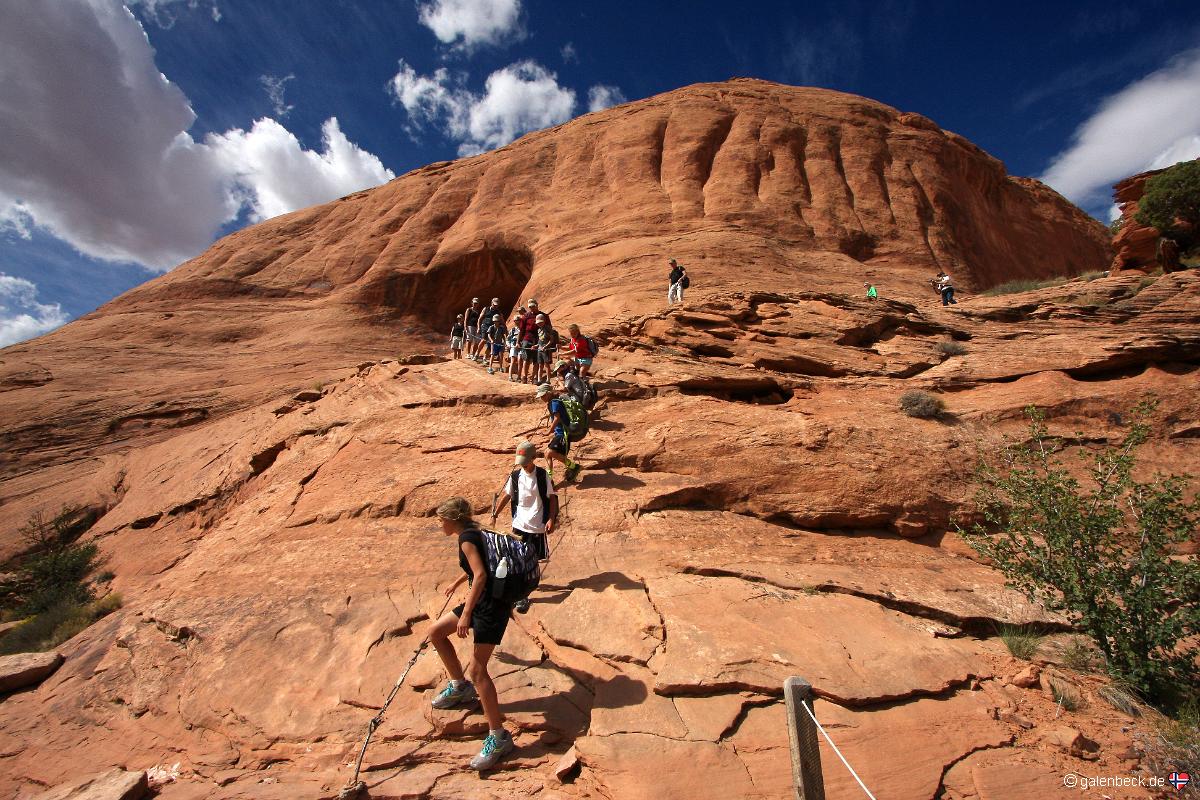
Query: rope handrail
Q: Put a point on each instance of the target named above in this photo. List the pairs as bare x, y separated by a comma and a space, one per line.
836, 750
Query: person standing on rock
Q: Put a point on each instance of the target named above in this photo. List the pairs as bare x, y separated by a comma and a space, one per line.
945, 287
871, 293
547, 348
496, 336
471, 320
514, 344
559, 446
456, 337
529, 341
580, 349
482, 613
678, 280
529, 493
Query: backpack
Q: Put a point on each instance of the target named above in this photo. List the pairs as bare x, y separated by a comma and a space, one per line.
589, 395
685, 281
577, 418
516, 559
591, 343
543, 492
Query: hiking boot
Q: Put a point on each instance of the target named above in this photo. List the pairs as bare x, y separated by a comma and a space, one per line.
521, 606
451, 697
573, 472
495, 747
491, 371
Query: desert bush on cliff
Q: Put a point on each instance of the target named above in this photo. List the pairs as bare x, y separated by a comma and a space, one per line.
48, 586
1173, 197
55, 567
1101, 551
949, 347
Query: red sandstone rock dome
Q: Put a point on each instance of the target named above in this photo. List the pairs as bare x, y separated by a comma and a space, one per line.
755, 504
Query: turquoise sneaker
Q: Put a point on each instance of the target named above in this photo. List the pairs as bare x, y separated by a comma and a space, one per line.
451, 697
495, 747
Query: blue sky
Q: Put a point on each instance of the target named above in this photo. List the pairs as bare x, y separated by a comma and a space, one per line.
111, 173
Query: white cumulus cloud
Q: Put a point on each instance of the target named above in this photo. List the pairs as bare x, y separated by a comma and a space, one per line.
1152, 123
21, 315
602, 96
469, 23
519, 98
279, 175
96, 149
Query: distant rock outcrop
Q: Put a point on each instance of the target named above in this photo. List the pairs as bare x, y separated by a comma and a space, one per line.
1137, 245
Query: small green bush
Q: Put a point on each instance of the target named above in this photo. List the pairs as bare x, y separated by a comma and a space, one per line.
949, 347
1103, 554
1023, 285
921, 405
1173, 195
1021, 642
55, 567
57, 624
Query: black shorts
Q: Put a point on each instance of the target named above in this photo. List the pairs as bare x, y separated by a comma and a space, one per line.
559, 444
537, 541
489, 620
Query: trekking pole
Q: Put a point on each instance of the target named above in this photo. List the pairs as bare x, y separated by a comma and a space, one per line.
355, 786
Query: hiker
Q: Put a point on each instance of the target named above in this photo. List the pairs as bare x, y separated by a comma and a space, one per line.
529, 493
582, 349
572, 383
496, 336
945, 288
871, 293
482, 613
457, 331
484, 331
679, 281
559, 446
547, 347
493, 309
529, 340
514, 344
471, 320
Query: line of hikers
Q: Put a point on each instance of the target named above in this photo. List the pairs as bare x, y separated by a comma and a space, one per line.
525, 348
502, 568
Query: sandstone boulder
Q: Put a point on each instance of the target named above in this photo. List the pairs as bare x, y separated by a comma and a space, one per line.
1073, 742
22, 670
116, 784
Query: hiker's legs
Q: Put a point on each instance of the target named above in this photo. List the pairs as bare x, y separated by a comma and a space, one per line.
484, 686
950, 292
440, 635
945, 297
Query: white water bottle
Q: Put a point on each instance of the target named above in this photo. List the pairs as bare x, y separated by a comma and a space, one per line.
502, 568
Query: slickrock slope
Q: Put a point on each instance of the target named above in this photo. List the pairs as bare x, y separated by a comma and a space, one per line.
754, 505
748, 183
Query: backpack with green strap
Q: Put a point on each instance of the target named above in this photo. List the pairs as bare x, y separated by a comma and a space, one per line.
577, 418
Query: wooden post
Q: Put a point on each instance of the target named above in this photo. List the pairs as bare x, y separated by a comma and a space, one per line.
802, 733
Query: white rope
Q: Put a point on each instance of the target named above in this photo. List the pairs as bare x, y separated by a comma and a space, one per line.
835, 749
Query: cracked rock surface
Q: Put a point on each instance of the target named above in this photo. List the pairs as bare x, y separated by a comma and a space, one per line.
274, 427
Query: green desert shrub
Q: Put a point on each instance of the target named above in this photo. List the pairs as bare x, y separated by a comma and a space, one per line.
57, 624
48, 585
1021, 642
923, 405
1173, 196
1024, 285
1101, 550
